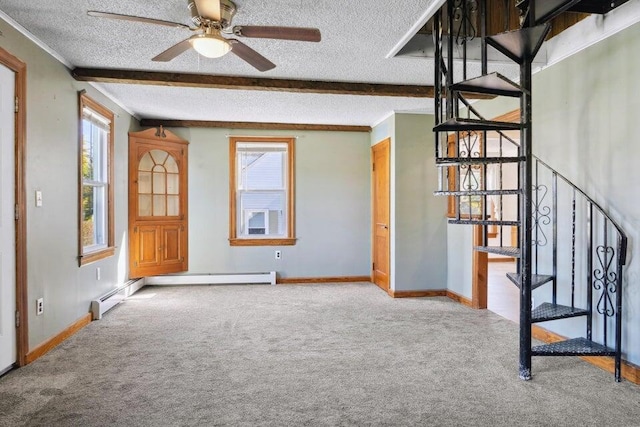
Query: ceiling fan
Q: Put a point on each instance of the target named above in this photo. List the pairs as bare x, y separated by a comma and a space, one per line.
212, 20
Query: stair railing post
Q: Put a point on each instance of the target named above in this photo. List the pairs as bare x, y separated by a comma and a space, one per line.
590, 228
437, 84
573, 250
526, 218
482, 8
554, 190
621, 261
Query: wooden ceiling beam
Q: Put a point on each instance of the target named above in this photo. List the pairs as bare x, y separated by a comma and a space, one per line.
207, 81
101, 75
252, 125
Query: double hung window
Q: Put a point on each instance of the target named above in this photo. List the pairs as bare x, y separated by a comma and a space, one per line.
261, 200
96, 174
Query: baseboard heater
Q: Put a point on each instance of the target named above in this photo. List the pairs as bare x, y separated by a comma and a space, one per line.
109, 300
214, 279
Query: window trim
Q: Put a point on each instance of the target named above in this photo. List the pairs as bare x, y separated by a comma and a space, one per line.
87, 256
290, 238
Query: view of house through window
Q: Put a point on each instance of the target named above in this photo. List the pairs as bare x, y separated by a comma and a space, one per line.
96, 142
262, 174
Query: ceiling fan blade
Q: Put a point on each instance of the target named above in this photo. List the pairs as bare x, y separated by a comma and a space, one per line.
209, 9
173, 51
249, 55
282, 33
136, 19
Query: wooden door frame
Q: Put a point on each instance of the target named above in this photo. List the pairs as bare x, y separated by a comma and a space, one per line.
480, 260
22, 329
373, 224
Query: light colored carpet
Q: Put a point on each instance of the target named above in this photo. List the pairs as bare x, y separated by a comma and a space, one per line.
343, 354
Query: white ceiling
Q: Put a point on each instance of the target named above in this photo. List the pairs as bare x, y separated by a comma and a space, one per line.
356, 38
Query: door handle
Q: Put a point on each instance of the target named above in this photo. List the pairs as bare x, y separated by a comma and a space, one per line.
385, 226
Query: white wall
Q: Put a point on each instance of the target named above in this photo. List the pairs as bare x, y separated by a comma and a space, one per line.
52, 167
333, 206
420, 221
418, 227
459, 258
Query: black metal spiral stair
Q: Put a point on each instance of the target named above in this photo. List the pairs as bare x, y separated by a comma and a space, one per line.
521, 46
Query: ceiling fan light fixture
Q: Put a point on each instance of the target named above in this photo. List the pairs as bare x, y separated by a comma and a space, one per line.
210, 45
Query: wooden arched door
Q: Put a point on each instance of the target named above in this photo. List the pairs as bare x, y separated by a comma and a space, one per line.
157, 203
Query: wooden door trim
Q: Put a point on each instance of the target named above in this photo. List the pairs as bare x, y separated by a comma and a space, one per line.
22, 330
380, 144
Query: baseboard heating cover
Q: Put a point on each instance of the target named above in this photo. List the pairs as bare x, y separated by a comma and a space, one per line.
214, 279
109, 300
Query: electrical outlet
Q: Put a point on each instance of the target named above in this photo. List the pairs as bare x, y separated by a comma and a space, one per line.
39, 306
278, 255
97, 273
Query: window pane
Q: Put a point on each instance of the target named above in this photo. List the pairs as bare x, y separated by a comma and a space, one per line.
173, 183
159, 183
173, 205
146, 163
87, 151
261, 171
171, 165
159, 206
144, 182
93, 216
159, 156
144, 205
268, 207
88, 234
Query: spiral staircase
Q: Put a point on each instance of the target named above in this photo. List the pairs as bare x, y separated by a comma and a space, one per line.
567, 246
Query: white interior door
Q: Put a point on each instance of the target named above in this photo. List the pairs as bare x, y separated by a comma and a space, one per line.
8, 342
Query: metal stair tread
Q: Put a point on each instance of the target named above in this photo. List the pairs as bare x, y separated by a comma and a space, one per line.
572, 347
596, 6
520, 44
500, 250
473, 124
478, 221
546, 10
537, 280
477, 192
452, 161
548, 311
493, 84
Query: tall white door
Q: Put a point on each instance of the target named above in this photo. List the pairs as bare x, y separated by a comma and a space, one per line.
8, 342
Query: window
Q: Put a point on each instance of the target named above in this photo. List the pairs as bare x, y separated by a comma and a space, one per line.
158, 185
96, 237
261, 191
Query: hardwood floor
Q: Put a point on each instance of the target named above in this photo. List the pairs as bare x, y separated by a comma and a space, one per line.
503, 296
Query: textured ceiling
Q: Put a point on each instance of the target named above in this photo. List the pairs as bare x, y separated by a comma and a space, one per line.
356, 38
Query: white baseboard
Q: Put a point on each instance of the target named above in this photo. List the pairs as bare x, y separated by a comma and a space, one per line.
111, 299
213, 279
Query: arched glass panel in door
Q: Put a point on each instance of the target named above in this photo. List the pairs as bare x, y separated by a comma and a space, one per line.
158, 185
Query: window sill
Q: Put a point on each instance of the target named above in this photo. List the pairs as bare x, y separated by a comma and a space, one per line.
97, 255
262, 242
